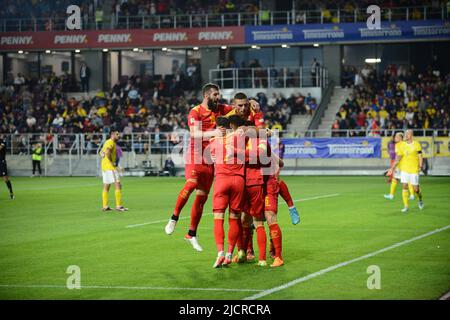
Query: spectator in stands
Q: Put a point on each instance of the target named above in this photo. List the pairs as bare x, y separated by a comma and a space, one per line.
85, 74
58, 121
169, 166
314, 72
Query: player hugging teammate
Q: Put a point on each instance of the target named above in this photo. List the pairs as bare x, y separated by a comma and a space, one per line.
225, 140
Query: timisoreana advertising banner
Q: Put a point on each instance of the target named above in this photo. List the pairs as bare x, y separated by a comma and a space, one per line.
431, 146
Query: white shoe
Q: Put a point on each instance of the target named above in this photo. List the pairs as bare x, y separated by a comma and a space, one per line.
405, 210
170, 226
389, 196
194, 243
421, 205
220, 259
411, 197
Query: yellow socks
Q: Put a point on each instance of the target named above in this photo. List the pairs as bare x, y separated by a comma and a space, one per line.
105, 198
411, 189
394, 184
118, 194
405, 196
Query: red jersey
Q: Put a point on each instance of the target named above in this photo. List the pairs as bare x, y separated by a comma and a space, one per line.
256, 149
207, 119
257, 118
229, 153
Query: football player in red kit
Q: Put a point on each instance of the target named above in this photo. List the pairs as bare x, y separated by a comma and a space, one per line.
228, 153
198, 173
271, 210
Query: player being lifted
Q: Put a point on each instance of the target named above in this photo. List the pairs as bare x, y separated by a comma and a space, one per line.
199, 174
410, 154
4, 168
393, 148
229, 187
249, 110
110, 173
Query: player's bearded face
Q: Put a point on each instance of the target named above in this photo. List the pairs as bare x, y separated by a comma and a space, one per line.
213, 101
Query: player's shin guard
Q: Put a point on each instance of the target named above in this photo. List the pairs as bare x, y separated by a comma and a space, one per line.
233, 233
284, 192
118, 195
405, 197
275, 234
183, 197
219, 233
105, 198
262, 242
196, 213
394, 184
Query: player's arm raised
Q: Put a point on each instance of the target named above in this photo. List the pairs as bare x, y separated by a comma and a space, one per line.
197, 133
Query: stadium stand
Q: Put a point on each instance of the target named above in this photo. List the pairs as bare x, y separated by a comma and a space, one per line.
397, 99
28, 15
134, 106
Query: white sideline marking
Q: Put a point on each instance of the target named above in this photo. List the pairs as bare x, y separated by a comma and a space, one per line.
445, 296
182, 218
339, 265
126, 288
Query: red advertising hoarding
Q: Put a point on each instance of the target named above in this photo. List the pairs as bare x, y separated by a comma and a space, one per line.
121, 38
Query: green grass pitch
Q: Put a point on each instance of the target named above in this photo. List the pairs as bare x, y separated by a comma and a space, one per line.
56, 222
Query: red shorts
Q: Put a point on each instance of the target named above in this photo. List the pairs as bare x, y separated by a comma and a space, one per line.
254, 201
228, 192
203, 173
271, 199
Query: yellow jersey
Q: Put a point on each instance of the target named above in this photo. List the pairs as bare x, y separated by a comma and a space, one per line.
397, 150
410, 156
106, 163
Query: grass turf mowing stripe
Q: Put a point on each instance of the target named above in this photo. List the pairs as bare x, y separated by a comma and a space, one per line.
342, 264
182, 218
45, 286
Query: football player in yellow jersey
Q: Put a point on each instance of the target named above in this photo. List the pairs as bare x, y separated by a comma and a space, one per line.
410, 155
398, 140
110, 173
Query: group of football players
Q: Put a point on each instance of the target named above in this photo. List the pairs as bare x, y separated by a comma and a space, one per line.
229, 142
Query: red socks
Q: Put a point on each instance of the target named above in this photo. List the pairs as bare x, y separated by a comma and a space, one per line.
262, 242
233, 233
197, 211
275, 234
183, 197
284, 192
250, 240
219, 233
239, 242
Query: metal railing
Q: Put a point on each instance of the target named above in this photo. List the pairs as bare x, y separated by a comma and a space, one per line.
167, 142
74, 146
349, 133
227, 19
318, 114
292, 77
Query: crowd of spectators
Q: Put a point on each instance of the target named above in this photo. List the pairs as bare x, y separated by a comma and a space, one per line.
51, 14
398, 98
134, 106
